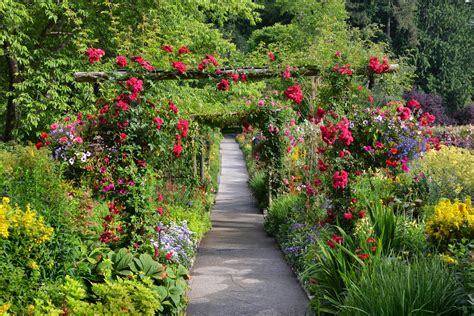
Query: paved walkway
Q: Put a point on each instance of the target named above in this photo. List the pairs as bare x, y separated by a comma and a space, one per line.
239, 270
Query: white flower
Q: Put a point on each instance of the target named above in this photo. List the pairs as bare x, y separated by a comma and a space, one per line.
71, 161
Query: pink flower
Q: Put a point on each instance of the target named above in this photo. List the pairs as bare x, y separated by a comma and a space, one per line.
212, 60
169, 255
338, 54
54, 126
271, 56
158, 122
404, 113
345, 136
179, 66
340, 179
160, 211
223, 85
183, 50
235, 77
294, 93
379, 145
95, 54
177, 149
359, 88
167, 48
121, 61
370, 99
377, 67
182, 126
287, 73
261, 103
78, 140
321, 166
173, 107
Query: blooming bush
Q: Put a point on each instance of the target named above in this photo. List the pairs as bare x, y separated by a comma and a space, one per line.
451, 221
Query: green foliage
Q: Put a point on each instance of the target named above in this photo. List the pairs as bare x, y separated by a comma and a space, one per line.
259, 184
397, 287
279, 212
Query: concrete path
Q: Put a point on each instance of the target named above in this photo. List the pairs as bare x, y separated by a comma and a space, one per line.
239, 270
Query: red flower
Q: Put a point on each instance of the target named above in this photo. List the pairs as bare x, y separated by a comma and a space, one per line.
377, 67
136, 85
167, 48
391, 163
339, 179
159, 211
379, 145
393, 151
235, 77
414, 104
44, 135
328, 133
271, 56
354, 200
39, 145
404, 113
121, 61
183, 50
294, 93
173, 107
370, 98
158, 122
157, 251
373, 249
123, 137
141, 163
201, 67
223, 85
359, 88
183, 125
211, 59
363, 256
331, 244
287, 73
95, 54
338, 54
179, 66
321, 166
345, 136
243, 77
426, 119
361, 214
177, 149
347, 216
371, 240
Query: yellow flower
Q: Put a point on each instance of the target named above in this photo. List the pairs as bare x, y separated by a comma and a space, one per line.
4, 308
30, 309
448, 259
295, 155
451, 220
33, 265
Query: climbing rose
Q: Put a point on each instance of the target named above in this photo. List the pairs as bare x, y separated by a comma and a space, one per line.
404, 113
223, 85
235, 77
158, 122
183, 125
167, 48
95, 54
200, 67
179, 66
287, 73
322, 166
212, 60
177, 149
328, 133
377, 67
345, 136
243, 77
183, 50
414, 104
294, 93
121, 61
271, 56
339, 179
173, 107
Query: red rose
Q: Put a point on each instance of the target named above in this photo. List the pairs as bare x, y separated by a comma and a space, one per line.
95, 54
200, 67
328, 133
223, 85
39, 145
321, 166
340, 179
361, 214
271, 56
167, 48
179, 66
338, 54
235, 77
211, 59
287, 73
44, 135
370, 99
294, 93
183, 125
121, 61
183, 50
158, 122
377, 67
177, 149
414, 104
243, 77
345, 136
173, 107
347, 216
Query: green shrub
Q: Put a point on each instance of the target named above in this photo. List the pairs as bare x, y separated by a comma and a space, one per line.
258, 183
423, 287
279, 212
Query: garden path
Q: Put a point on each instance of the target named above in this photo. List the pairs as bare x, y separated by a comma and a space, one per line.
239, 269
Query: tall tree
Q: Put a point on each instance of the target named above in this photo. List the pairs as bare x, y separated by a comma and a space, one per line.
445, 59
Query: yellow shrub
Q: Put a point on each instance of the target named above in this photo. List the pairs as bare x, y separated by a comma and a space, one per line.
15, 222
451, 170
451, 220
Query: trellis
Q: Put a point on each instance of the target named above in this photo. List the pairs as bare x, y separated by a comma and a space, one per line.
252, 73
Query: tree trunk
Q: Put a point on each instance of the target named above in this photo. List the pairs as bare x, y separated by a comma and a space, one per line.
11, 117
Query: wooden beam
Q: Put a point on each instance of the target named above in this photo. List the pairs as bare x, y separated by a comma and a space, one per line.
251, 73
